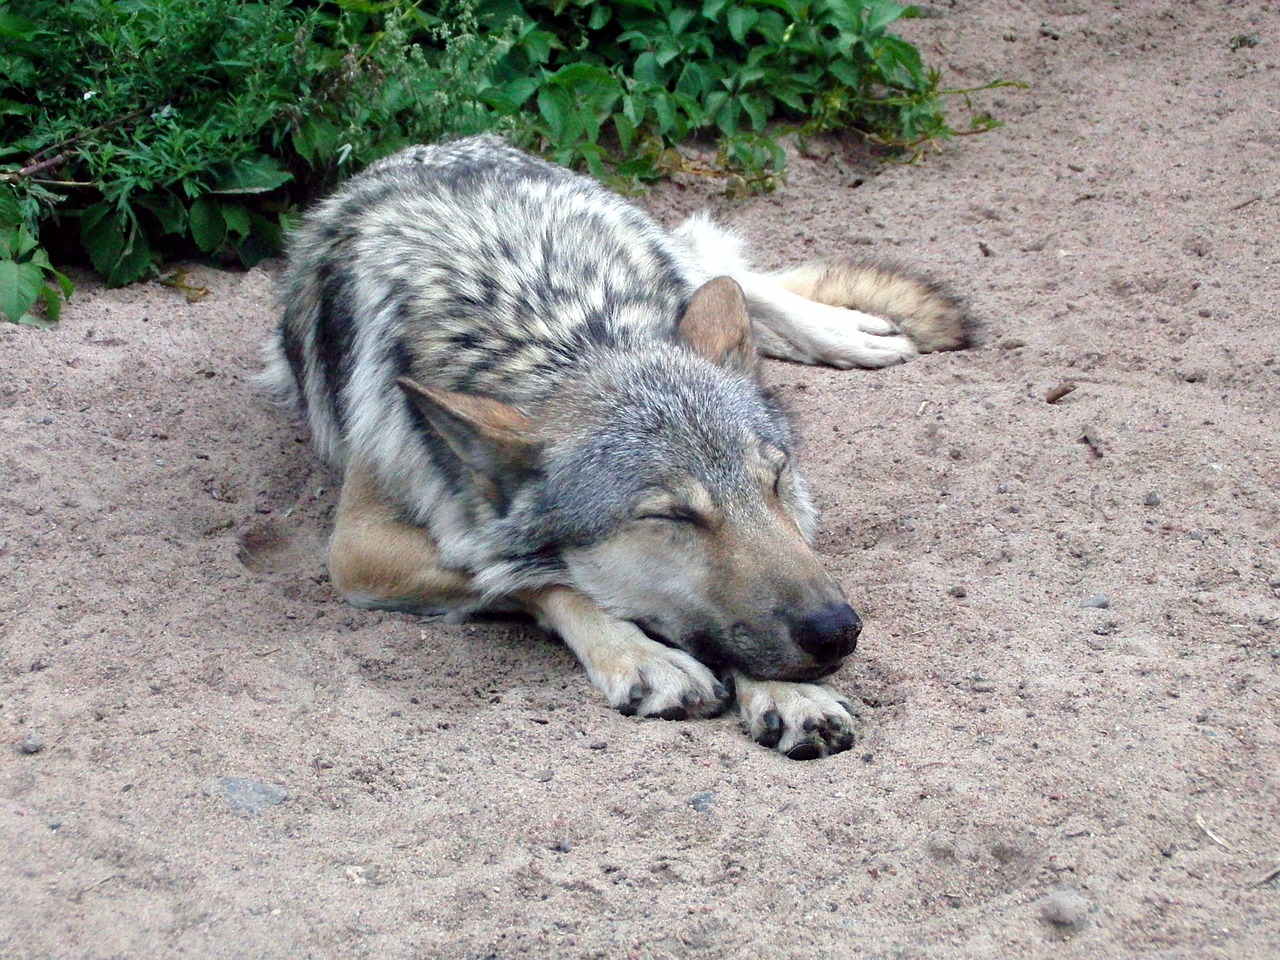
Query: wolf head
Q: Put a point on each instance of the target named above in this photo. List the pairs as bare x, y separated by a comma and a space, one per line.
660, 484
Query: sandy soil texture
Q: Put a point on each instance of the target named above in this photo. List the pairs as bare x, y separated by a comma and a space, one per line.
1071, 666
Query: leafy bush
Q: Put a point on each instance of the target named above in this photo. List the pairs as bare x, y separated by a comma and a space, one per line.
201, 125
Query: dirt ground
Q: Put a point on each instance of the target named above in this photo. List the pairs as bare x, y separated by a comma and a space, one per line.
1071, 666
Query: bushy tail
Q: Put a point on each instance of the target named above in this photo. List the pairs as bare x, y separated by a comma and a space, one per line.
276, 380
933, 319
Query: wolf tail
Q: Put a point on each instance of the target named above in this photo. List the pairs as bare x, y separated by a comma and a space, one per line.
920, 308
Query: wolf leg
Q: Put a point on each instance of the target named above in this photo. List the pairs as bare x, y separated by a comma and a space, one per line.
836, 312
636, 674
378, 561
803, 721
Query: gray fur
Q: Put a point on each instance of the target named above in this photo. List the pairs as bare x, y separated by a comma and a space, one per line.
475, 269
471, 266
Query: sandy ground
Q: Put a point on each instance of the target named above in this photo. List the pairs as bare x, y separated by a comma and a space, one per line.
1071, 666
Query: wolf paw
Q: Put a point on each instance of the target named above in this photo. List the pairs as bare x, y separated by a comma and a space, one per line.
646, 679
864, 341
802, 721
638, 675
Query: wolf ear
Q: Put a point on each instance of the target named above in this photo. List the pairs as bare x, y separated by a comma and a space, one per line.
716, 326
493, 439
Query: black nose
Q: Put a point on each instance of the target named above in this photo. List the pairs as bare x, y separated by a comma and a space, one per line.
830, 633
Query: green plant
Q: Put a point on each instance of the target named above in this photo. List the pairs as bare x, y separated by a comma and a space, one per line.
128, 127
641, 76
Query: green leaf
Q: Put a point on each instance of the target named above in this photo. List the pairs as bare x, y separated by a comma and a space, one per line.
316, 140
236, 216
578, 74
692, 81
16, 242
208, 227
881, 13
52, 304
847, 73
555, 105
511, 97
740, 20
13, 108
645, 69
258, 175
20, 285
102, 231
626, 131
135, 259
679, 19
168, 209
14, 27
899, 63
758, 107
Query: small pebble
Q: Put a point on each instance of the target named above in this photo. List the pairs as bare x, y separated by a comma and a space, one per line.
251, 796
1064, 908
1198, 535
958, 592
542, 776
598, 745
1152, 499
1098, 601
702, 801
562, 846
31, 743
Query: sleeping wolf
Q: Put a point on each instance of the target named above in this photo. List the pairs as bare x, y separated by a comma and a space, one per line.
541, 400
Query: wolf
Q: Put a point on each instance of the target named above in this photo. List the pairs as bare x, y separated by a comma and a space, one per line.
542, 401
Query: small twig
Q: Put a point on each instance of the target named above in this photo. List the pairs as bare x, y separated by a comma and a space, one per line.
1244, 203
79, 894
31, 169
1058, 392
1267, 877
1211, 835
16, 176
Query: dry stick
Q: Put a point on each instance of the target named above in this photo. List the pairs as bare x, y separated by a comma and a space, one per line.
1058, 392
1245, 203
31, 169
1267, 877
1211, 835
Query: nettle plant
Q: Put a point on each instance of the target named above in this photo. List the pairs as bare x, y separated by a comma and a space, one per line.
139, 127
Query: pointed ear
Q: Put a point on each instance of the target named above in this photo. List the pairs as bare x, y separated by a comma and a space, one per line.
495, 440
715, 325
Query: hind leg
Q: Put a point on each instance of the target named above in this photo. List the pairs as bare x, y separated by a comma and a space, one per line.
834, 312
378, 561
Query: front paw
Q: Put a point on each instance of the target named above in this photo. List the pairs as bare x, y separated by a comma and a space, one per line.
802, 721
647, 679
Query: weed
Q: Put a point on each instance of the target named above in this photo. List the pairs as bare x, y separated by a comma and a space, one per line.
131, 126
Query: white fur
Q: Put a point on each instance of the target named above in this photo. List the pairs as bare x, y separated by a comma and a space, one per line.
788, 326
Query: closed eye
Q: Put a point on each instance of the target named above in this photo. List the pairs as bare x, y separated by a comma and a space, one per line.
676, 515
